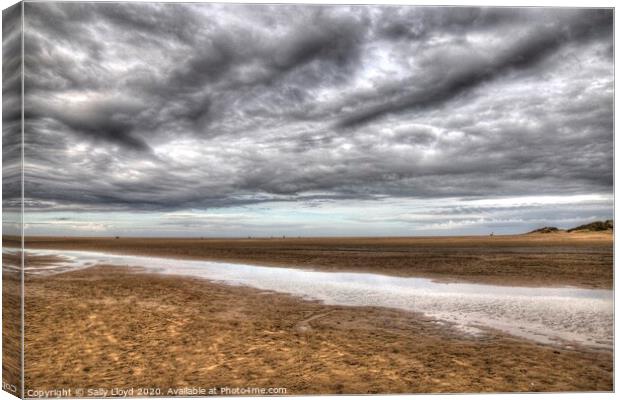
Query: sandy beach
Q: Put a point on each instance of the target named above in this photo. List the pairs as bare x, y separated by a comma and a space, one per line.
118, 327
307, 199
11, 321
110, 327
575, 259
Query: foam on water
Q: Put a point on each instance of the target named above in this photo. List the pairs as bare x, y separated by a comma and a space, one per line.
543, 314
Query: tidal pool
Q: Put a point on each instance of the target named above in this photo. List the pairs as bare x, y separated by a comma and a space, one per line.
562, 315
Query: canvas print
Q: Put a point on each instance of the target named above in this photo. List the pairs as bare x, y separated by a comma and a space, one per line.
205, 199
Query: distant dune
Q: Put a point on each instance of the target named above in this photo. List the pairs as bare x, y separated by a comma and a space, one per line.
546, 229
596, 226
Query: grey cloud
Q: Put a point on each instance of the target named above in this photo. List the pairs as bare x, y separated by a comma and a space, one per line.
111, 120
420, 24
525, 52
174, 106
11, 116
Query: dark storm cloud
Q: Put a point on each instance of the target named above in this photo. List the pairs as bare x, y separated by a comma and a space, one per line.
417, 24
11, 117
175, 106
525, 52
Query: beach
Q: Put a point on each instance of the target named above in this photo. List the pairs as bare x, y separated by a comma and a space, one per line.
307, 199
116, 326
575, 259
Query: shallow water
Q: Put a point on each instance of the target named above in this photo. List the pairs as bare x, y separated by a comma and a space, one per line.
543, 314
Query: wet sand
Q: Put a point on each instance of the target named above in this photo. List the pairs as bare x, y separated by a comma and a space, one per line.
544, 314
11, 323
110, 327
557, 259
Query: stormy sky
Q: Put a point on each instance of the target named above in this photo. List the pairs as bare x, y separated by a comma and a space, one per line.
238, 120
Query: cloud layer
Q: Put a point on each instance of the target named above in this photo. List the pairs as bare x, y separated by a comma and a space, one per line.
11, 121
164, 107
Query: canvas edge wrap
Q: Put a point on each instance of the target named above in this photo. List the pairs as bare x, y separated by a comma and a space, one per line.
13, 201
